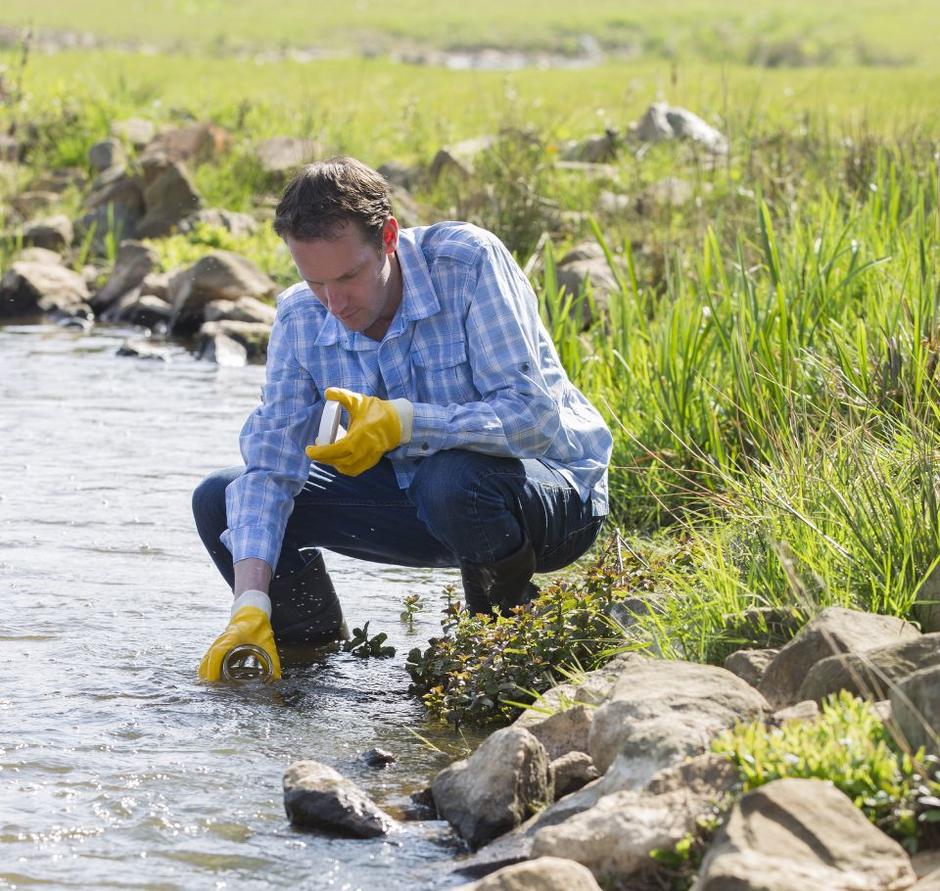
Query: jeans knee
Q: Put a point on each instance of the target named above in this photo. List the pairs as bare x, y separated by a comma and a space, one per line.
209, 498
460, 495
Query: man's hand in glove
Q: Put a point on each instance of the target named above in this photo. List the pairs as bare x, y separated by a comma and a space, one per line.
375, 427
250, 624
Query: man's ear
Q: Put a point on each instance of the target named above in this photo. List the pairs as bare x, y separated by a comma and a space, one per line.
390, 236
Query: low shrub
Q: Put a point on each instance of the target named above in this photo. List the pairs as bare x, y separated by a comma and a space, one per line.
486, 670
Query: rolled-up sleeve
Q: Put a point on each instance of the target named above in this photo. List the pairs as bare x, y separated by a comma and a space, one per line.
272, 440
517, 414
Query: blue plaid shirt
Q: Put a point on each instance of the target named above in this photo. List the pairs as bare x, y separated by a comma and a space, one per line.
466, 346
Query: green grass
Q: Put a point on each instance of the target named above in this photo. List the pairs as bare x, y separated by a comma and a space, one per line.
737, 29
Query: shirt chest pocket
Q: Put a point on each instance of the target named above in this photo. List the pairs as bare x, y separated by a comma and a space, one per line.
442, 372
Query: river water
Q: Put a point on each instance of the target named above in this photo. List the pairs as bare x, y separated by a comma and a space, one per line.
117, 769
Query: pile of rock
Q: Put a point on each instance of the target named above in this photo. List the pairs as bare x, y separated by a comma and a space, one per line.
621, 768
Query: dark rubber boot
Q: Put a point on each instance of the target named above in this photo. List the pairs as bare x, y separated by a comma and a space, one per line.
305, 611
504, 584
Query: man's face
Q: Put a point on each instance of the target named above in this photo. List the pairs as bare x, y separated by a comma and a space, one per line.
350, 275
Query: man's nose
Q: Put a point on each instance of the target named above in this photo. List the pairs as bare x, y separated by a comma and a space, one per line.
335, 302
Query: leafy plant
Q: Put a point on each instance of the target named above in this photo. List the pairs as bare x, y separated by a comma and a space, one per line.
365, 647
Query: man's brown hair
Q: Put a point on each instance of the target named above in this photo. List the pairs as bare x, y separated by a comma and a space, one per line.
327, 195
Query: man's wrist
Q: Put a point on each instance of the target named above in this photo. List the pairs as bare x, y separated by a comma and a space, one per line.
257, 599
406, 416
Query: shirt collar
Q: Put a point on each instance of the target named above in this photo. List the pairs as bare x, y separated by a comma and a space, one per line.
418, 301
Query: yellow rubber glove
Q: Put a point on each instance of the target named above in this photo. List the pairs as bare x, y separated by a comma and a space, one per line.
375, 427
248, 625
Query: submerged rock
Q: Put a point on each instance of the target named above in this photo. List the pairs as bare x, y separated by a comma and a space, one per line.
317, 797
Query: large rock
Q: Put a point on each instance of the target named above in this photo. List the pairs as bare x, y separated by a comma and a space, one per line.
113, 209
220, 275
460, 158
193, 144
169, 197
660, 712
52, 233
282, 154
222, 350
915, 704
871, 674
593, 150
135, 131
543, 874
586, 264
806, 835
245, 309
148, 311
105, 154
134, 262
834, 630
501, 784
317, 797
565, 731
662, 122
239, 224
30, 288
253, 336
614, 838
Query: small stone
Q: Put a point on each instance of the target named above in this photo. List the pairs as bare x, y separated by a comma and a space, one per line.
571, 772
142, 349
750, 665
378, 758
802, 711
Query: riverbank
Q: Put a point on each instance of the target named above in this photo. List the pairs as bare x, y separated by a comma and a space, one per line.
760, 332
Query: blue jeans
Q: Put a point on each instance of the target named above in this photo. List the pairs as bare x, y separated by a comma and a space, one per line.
461, 506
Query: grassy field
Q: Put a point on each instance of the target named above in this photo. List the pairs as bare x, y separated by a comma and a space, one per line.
775, 32
769, 363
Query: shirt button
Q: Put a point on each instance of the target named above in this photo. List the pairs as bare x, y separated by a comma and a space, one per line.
424, 447
525, 366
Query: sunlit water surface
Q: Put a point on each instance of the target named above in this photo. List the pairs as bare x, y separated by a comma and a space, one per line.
116, 768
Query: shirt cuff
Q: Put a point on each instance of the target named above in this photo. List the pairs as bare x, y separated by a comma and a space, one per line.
406, 416
251, 541
428, 430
